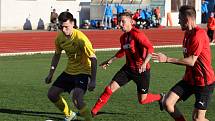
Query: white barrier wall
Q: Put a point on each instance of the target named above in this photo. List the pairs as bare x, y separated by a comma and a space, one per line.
174, 15
13, 13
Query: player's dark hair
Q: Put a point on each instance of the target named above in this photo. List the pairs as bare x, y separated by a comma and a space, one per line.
75, 23
188, 11
64, 16
128, 14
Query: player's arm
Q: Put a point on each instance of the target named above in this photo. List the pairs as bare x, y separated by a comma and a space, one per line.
106, 63
143, 67
144, 41
92, 83
196, 47
188, 61
148, 57
54, 63
88, 50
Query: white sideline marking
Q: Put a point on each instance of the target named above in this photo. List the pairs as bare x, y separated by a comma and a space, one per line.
103, 49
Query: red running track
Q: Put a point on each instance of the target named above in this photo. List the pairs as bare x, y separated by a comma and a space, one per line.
27, 41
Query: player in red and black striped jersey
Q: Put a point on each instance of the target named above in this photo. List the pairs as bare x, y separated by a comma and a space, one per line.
199, 76
138, 51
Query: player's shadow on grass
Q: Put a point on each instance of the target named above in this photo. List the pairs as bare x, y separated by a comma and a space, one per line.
109, 113
33, 113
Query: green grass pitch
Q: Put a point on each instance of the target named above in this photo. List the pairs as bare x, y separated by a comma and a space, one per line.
23, 93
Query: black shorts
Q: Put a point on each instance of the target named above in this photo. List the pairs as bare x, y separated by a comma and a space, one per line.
69, 82
125, 75
202, 93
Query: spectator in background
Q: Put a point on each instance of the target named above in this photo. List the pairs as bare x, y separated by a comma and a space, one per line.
148, 17
119, 10
211, 27
140, 21
53, 21
144, 18
204, 10
157, 16
54, 16
136, 16
115, 22
142, 15
108, 16
153, 18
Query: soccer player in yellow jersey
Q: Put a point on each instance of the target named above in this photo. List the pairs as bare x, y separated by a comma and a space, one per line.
80, 73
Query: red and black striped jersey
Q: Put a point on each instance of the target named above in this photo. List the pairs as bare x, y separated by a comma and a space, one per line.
197, 43
136, 46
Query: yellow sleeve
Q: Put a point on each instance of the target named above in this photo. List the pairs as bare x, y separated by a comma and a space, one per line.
58, 49
88, 49
87, 46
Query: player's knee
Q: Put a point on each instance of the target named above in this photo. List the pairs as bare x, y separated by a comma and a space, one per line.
52, 97
78, 99
79, 103
200, 119
168, 106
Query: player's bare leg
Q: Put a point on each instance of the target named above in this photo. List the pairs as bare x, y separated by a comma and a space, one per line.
170, 106
114, 86
142, 97
199, 115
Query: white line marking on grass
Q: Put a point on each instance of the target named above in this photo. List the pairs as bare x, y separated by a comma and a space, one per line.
103, 49
26, 53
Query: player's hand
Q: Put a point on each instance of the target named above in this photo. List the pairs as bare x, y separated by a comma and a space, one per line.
48, 79
105, 64
91, 85
142, 68
159, 57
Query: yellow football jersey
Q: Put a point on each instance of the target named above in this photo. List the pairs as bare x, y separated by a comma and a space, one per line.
78, 49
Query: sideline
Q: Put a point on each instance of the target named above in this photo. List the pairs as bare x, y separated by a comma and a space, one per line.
103, 49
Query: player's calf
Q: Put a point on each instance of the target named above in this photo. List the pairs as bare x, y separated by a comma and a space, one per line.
101, 101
